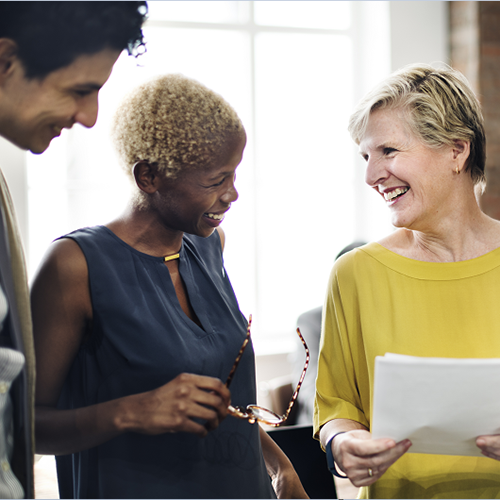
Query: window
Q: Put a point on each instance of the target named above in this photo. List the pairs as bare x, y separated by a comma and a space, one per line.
288, 70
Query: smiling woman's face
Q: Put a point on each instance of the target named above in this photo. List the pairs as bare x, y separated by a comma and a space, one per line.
195, 202
414, 180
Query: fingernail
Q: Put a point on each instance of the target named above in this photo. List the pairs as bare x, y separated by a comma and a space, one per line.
480, 442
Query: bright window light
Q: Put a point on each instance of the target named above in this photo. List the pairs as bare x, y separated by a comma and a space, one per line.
199, 11
315, 14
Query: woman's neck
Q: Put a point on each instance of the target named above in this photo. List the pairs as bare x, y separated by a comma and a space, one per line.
467, 235
141, 229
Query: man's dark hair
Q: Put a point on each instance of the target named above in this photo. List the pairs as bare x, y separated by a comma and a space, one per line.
51, 35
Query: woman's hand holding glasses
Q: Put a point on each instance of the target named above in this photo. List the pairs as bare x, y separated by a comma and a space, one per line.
255, 413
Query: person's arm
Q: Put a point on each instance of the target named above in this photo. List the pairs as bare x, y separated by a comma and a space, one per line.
340, 385
286, 482
62, 317
363, 459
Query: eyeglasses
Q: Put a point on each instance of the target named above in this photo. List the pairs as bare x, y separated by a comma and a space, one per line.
254, 413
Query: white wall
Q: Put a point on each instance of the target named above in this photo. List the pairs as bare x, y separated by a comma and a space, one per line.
419, 32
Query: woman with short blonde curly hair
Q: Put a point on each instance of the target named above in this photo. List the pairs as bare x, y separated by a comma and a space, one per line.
146, 126
146, 325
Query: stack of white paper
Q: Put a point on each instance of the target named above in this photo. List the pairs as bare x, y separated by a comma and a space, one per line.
442, 405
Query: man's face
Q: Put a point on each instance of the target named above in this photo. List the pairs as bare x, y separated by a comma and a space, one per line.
33, 112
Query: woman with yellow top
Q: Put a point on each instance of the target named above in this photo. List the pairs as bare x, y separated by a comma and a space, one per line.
431, 288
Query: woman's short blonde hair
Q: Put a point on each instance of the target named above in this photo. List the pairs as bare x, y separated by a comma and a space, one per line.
439, 105
175, 123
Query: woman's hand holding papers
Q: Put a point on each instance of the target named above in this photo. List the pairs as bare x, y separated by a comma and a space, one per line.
363, 459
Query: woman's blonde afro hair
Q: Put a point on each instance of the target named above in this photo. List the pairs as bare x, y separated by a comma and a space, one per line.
175, 123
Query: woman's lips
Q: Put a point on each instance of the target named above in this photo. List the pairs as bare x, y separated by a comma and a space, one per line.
392, 194
213, 219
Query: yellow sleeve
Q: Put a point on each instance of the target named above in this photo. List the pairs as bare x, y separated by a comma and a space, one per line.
339, 379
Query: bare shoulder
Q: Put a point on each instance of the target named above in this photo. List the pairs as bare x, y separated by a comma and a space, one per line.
62, 277
65, 249
63, 259
62, 316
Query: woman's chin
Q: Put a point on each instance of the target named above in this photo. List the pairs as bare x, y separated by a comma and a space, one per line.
202, 232
400, 222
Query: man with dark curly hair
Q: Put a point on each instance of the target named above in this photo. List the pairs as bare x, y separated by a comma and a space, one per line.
54, 58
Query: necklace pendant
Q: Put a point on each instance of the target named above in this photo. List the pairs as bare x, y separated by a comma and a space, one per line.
171, 257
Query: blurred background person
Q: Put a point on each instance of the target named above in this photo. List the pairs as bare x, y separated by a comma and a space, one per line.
309, 323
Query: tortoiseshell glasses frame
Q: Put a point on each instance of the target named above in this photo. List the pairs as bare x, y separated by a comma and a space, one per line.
255, 413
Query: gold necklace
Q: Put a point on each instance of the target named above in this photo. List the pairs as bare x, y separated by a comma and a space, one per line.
171, 257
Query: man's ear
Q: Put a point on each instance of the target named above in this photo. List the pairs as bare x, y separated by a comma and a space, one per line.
146, 176
8, 57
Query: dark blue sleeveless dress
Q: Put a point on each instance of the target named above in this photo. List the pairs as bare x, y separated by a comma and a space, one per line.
140, 340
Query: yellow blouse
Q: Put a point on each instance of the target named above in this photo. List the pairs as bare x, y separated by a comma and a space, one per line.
378, 302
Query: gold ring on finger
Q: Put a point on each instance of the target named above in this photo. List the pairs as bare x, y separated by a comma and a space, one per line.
370, 472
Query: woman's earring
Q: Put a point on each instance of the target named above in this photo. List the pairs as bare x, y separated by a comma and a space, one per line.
457, 170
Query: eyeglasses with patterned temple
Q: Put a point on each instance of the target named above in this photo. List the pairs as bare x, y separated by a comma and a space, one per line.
255, 413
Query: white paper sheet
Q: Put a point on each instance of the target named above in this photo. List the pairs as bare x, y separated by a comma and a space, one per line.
440, 404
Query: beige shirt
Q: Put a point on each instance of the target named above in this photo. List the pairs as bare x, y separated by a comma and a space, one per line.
24, 311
